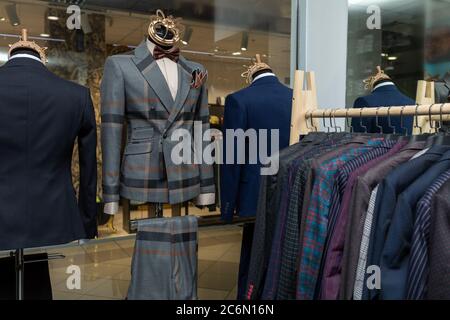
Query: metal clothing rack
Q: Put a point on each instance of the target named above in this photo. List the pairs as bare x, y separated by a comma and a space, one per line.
20, 269
306, 113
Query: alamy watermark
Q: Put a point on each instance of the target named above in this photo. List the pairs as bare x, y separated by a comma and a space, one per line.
242, 147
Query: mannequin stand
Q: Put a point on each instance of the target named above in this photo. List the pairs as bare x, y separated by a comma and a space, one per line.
20, 268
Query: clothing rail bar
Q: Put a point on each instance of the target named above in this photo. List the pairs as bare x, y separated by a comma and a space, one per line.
419, 110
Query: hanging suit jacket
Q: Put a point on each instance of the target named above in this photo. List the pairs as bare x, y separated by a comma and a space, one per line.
439, 252
41, 116
266, 104
135, 93
384, 96
397, 246
442, 89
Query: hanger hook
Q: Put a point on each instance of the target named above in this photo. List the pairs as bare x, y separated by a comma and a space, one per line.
324, 121
331, 121
405, 130
346, 121
338, 129
430, 118
441, 118
360, 120
394, 129
310, 120
376, 120
417, 119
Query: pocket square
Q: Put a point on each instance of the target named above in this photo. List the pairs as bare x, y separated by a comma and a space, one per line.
198, 78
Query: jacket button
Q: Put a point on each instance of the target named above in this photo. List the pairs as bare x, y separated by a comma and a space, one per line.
165, 136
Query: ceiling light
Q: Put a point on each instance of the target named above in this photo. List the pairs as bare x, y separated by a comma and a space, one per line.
384, 55
11, 12
45, 35
238, 53
53, 18
187, 36
244, 41
2, 19
392, 58
216, 50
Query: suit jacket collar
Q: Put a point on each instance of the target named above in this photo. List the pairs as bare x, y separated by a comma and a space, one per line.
147, 65
386, 88
24, 62
265, 81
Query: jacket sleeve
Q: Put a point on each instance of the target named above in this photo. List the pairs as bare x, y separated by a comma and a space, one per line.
112, 112
207, 185
87, 149
235, 118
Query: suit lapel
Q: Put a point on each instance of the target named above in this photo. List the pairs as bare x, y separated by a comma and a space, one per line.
184, 86
148, 67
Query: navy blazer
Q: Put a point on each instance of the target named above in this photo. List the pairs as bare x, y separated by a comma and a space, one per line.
397, 246
265, 104
41, 117
390, 188
385, 96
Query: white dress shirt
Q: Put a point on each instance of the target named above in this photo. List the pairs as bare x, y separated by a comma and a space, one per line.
25, 55
169, 69
266, 74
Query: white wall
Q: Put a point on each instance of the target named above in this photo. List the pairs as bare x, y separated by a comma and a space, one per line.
322, 47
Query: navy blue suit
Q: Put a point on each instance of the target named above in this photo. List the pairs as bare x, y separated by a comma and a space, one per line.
266, 104
397, 246
385, 96
41, 117
385, 207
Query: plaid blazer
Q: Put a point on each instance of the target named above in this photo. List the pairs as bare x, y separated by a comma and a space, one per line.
134, 92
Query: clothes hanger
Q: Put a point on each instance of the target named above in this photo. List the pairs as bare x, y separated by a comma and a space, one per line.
348, 124
310, 125
441, 139
377, 124
338, 128
420, 136
361, 121
393, 135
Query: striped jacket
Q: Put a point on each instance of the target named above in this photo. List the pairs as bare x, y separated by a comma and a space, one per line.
135, 95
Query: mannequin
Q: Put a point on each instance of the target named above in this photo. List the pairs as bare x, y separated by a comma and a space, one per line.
170, 72
43, 115
163, 34
383, 93
265, 104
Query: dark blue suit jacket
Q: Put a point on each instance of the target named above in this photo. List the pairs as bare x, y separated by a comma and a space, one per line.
397, 246
385, 96
388, 192
266, 104
41, 117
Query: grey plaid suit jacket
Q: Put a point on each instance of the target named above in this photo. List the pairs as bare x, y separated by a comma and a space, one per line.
134, 91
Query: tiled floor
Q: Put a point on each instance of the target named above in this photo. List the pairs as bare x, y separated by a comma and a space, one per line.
105, 267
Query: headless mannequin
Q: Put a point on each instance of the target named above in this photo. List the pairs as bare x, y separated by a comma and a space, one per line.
169, 69
31, 54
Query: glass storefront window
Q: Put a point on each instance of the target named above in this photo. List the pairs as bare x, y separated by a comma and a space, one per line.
223, 35
412, 44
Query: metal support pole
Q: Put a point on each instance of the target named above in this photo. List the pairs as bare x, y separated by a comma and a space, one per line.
20, 268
